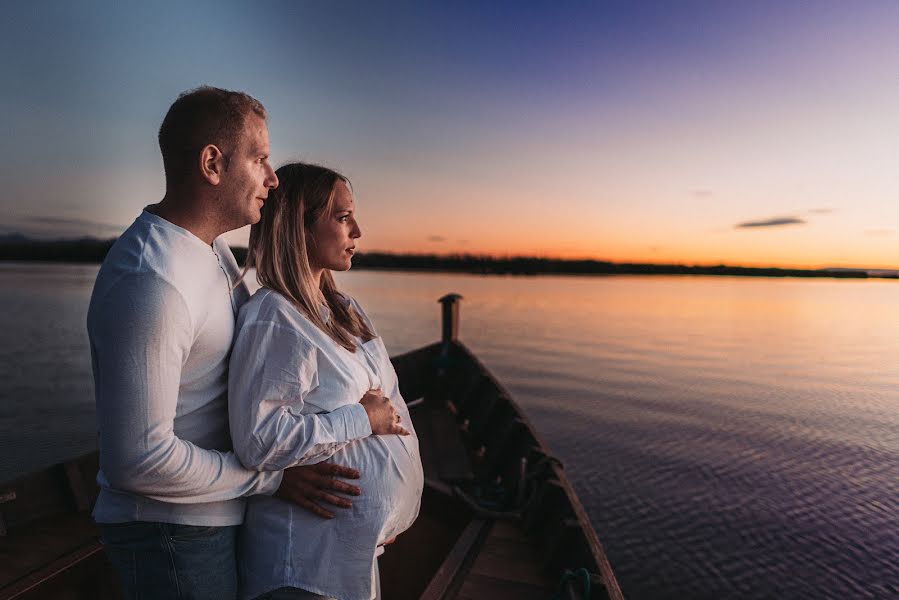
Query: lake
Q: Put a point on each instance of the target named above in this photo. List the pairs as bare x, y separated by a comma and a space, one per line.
729, 437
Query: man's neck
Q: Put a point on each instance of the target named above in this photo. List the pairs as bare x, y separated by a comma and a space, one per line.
179, 210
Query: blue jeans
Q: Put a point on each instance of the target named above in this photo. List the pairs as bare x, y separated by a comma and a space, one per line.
289, 593
172, 562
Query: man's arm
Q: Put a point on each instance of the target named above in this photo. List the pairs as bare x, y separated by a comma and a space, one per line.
141, 335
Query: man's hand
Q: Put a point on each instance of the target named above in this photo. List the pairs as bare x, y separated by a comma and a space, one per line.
308, 484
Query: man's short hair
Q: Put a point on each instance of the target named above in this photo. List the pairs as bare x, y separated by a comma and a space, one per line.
199, 117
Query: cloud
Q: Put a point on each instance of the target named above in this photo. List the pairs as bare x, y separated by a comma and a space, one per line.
775, 222
701, 193
70, 222
436, 238
58, 227
880, 232
820, 211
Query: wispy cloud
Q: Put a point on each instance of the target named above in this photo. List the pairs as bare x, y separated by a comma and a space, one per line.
701, 193
436, 238
880, 232
53, 227
774, 222
71, 222
820, 211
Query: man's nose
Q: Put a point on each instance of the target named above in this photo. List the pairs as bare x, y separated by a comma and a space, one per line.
271, 180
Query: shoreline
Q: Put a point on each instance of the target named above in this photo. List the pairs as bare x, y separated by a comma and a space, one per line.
92, 251
527, 267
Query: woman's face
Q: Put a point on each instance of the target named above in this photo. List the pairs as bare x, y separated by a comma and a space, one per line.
333, 236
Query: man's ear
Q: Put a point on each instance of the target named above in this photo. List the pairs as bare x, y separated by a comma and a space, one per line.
212, 164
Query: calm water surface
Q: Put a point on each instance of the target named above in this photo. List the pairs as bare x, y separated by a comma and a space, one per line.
730, 437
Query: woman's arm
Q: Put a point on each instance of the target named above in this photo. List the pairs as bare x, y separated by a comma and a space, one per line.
272, 369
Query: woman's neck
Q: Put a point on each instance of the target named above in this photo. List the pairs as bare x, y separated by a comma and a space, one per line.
317, 277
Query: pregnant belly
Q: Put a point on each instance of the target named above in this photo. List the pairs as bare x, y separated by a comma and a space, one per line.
391, 482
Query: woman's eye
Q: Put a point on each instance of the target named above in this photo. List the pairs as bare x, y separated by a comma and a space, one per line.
343, 218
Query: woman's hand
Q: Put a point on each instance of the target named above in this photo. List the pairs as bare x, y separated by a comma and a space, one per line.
382, 416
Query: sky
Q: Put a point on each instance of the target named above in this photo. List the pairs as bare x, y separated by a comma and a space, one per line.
746, 133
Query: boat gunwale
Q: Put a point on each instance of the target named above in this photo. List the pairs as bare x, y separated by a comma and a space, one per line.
596, 549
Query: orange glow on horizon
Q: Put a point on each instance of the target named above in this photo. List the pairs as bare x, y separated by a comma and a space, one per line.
699, 260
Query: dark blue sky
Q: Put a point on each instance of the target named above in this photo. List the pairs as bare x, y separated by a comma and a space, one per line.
611, 129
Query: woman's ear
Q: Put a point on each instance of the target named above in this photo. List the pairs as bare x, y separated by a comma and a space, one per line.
212, 164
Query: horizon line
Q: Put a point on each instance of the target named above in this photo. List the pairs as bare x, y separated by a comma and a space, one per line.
17, 237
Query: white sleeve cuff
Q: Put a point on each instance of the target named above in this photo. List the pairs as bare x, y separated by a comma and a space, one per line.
356, 420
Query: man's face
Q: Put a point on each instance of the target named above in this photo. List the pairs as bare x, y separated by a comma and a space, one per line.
249, 177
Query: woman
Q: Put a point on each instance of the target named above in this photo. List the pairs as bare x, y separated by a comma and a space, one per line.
304, 356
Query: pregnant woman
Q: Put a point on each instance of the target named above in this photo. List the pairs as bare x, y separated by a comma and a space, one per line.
310, 380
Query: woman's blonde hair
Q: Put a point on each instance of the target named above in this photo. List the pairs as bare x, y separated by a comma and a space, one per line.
279, 249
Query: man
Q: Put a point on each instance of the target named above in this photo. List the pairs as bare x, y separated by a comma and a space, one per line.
160, 324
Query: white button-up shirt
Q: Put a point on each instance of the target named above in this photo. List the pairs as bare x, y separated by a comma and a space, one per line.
294, 399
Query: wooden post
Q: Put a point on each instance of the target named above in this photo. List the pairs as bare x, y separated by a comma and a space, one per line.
450, 304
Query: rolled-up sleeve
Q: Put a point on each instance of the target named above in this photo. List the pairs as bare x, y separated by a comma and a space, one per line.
141, 334
272, 369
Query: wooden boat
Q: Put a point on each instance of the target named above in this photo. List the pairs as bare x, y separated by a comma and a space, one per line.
499, 518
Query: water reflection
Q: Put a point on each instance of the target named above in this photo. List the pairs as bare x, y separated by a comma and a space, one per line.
730, 437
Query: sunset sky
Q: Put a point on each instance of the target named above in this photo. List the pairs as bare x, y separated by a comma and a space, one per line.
752, 133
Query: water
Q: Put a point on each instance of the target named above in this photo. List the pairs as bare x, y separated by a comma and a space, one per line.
729, 437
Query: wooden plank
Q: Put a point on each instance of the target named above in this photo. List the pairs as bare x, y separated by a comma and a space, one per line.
452, 457
36, 496
511, 560
484, 587
421, 420
565, 546
509, 530
415, 370
81, 494
447, 572
45, 541
81, 574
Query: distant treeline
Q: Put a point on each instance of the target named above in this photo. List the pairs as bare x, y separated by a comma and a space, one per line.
19, 248
524, 265
85, 250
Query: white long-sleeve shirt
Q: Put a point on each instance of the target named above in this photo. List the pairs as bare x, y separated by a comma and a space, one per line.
294, 399
161, 323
